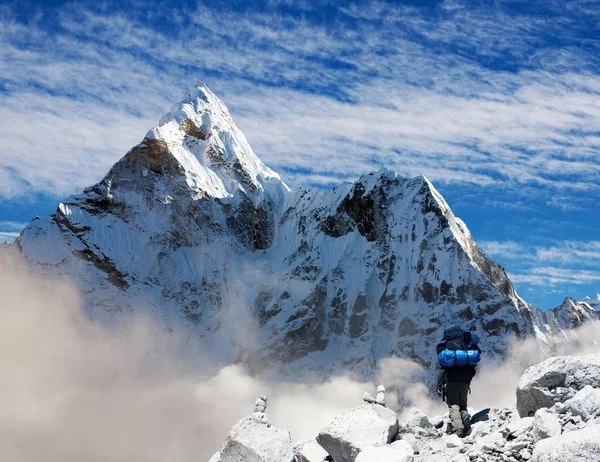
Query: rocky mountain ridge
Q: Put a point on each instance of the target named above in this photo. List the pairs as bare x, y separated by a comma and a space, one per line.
593, 302
191, 227
556, 419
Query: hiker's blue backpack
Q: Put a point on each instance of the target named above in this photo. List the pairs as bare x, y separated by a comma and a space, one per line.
460, 348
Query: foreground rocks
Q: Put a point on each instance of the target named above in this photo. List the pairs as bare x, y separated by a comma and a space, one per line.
556, 380
357, 428
398, 451
567, 428
254, 439
310, 451
580, 446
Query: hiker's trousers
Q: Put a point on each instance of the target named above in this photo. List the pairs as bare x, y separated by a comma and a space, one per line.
456, 398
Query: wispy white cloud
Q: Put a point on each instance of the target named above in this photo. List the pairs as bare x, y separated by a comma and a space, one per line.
508, 249
306, 94
566, 263
8, 237
580, 252
552, 276
9, 230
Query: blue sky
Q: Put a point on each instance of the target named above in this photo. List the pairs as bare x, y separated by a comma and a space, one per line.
496, 102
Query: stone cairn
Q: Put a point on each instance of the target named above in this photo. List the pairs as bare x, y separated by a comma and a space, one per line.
260, 407
379, 399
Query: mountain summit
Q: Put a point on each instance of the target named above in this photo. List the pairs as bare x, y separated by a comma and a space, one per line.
193, 228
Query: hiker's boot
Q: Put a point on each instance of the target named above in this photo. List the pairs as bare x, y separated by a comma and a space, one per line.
466, 420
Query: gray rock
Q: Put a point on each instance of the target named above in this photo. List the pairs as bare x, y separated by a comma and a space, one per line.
545, 425
558, 408
398, 451
433, 446
516, 446
260, 405
581, 446
416, 420
525, 454
453, 441
310, 451
554, 380
585, 403
569, 427
357, 428
490, 442
412, 440
518, 427
477, 431
475, 454
431, 458
253, 440
460, 458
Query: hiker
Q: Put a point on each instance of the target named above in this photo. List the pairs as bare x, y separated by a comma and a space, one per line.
458, 353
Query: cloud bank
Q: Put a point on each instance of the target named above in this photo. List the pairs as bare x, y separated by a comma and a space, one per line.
480, 96
74, 390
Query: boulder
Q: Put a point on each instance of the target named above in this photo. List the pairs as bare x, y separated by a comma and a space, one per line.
404, 445
415, 420
554, 380
585, 403
516, 446
254, 440
399, 451
412, 440
517, 427
525, 454
453, 441
491, 442
357, 428
310, 451
545, 425
460, 458
581, 446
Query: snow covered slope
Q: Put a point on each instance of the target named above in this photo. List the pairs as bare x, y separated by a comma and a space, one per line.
192, 227
570, 314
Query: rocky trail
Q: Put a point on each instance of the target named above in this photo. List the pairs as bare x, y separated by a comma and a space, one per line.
556, 417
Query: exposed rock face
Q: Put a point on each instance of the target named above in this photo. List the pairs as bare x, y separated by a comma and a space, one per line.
193, 228
355, 429
582, 445
556, 380
571, 314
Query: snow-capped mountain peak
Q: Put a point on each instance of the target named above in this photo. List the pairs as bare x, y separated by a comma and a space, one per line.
572, 313
199, 141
